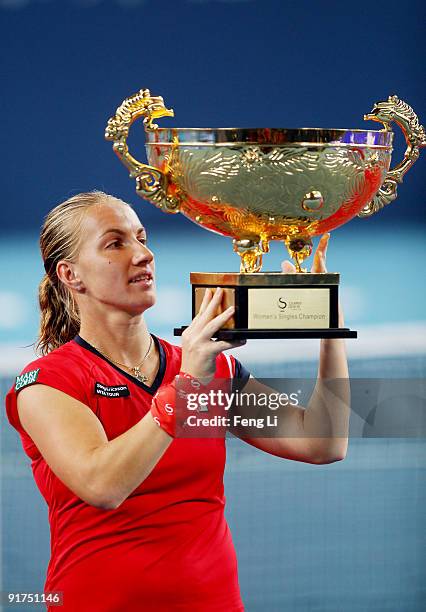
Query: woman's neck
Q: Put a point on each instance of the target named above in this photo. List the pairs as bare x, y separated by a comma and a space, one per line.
124, 341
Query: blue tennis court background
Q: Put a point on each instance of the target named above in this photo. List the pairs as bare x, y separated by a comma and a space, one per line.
342, 537
347, 537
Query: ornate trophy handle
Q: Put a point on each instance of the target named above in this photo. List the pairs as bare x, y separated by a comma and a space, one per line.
151, 183
399, 111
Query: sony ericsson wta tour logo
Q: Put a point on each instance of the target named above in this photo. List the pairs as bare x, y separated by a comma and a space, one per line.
26, 379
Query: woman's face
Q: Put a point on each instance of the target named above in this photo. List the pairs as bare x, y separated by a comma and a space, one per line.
114, 264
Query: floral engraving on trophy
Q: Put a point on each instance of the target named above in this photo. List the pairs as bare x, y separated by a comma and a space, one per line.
250, 157
275, 183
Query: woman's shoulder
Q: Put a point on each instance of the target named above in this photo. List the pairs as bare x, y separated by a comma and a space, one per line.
64, 369
61, 369
65, 361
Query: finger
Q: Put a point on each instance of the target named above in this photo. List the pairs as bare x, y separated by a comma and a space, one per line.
226, 345
319, 264
207, 309
287, 267
212, 306
219, 321
206, 299
323, 243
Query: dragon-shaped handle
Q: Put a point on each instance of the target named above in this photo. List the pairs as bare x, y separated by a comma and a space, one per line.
151, 182
394, 109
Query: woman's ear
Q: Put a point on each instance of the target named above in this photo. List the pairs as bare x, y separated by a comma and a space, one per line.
67, 274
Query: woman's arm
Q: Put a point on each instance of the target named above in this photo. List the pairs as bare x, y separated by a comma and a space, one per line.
319, 432
75, 446
328, 410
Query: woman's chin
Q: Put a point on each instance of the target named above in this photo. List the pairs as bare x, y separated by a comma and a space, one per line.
144, 305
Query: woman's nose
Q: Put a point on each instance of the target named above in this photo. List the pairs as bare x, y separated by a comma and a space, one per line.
142, 253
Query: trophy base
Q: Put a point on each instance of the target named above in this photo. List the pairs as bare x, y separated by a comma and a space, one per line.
273, 305
247, 334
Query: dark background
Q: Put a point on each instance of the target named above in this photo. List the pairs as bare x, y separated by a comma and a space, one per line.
68, 64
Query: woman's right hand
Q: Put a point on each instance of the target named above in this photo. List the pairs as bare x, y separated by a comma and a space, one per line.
199, 351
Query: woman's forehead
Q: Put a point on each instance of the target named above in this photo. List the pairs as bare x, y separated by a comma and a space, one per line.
111, 215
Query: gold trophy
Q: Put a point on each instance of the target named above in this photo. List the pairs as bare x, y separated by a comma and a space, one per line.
261, 184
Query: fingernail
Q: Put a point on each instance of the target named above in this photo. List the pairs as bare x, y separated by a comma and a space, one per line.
230, 309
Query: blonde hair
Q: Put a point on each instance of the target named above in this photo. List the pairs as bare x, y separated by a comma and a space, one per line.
60, 239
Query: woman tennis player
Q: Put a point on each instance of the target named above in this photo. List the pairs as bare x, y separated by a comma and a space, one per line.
136, 514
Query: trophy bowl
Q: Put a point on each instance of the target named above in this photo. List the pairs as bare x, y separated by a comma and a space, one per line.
261, 184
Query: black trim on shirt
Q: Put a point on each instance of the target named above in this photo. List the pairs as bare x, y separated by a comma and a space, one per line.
241, 376
161, 370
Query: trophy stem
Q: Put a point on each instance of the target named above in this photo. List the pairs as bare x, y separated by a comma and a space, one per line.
297, 262
299, 249
251, 255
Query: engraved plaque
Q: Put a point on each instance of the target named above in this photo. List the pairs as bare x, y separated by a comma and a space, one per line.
288, 308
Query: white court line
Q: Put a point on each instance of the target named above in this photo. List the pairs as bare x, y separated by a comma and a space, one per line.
385, 340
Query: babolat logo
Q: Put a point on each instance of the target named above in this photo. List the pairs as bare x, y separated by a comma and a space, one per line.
26, 379
111, 391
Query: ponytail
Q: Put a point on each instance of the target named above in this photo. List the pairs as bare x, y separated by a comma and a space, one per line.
59, 318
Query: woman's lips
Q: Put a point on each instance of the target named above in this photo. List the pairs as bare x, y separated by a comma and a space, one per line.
143, 282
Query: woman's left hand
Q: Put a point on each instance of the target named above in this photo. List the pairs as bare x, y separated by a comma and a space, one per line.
318, 264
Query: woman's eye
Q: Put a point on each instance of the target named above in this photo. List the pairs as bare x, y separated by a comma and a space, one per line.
119, 243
